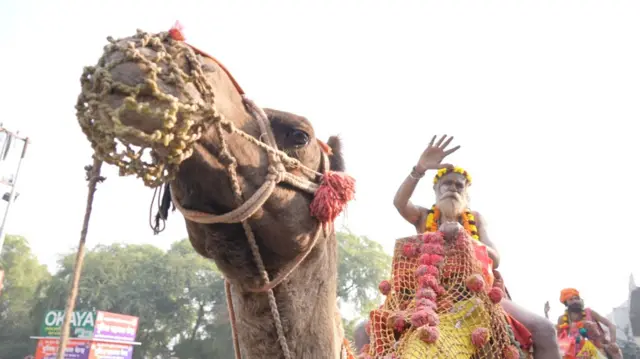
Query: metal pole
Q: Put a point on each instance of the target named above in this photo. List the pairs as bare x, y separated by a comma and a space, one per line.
12, 195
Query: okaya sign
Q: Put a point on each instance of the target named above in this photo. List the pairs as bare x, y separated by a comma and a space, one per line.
82, 324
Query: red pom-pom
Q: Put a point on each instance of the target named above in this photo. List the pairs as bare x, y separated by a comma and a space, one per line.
461, 243
399, 324
385, 287
510, 352
433, 270
433, 237
432, 248
431, 259
424, 316
426, 293
419, 318
426, 303
496, 294
428, 281
480, 337
475, 283
421, 270
176, 32
428, 334
331, 198
409, 250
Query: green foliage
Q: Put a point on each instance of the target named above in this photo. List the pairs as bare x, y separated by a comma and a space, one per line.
24, 280
363, 265
177, 294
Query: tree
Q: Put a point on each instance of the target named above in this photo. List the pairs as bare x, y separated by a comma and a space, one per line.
177, 294
167, 291
363, 264
24, 281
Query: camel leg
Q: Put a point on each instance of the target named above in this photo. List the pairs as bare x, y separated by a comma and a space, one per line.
543, 333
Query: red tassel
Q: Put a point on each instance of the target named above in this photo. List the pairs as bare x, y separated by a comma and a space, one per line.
176, 32
332, 196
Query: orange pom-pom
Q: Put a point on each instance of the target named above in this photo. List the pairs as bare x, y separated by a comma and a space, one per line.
480, 337
510, 352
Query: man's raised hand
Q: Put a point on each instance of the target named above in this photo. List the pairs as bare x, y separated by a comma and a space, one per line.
431, 158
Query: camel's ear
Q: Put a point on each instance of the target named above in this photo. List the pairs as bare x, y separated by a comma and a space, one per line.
335, 157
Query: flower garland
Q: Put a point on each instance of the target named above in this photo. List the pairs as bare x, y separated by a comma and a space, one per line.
468, 222
566, 324
444, 171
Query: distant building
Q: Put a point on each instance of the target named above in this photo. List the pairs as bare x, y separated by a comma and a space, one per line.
626, 316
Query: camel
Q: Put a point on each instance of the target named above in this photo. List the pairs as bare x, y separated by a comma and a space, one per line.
284, 228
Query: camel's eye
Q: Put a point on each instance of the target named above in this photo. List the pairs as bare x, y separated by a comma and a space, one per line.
297, 138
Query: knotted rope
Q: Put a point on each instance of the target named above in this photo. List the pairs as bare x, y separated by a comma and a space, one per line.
178, 125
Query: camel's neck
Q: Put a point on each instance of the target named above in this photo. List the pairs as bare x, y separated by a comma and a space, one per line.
307, 306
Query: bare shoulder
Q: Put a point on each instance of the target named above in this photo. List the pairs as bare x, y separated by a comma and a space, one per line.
480, 220
595, 314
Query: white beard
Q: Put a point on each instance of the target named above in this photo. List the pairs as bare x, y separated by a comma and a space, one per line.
451, 208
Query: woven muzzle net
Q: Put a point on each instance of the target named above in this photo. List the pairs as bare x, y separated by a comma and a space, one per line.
441, 302
153, 123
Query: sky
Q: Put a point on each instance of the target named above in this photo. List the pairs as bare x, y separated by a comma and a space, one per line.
541, 95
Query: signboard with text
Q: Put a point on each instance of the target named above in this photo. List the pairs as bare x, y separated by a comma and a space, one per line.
111, 326
92, 325
82, 324
76, 349
94, 335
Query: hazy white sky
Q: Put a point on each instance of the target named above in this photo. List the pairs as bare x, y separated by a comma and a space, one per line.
540, 94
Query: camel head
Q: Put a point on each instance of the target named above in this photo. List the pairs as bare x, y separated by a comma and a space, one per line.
166, 96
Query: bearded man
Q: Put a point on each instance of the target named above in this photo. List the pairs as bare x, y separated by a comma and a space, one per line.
580, 327
452, 199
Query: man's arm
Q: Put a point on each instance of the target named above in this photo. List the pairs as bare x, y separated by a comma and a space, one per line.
607, 323
402, 201
481, 223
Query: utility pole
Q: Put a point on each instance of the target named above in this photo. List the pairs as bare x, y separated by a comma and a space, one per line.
10, 136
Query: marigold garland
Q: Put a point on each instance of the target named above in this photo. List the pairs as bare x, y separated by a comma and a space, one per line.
566, 324
468, 222
444, 171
